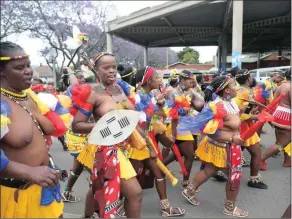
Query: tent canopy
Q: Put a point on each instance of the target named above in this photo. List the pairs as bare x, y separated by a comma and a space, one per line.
266, 24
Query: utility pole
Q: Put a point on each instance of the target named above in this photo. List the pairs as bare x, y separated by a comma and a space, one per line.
237, 26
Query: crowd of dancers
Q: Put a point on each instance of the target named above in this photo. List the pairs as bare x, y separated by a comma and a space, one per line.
213, 125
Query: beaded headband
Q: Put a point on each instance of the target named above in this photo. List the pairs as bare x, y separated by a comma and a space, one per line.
240, 74
147, 74
99, 55
173, 75
223, 85
132, 72
9, 58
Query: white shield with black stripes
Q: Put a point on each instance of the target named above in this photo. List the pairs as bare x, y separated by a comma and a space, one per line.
114, 127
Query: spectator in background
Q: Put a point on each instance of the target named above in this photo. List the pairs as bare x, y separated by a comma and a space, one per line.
36, 81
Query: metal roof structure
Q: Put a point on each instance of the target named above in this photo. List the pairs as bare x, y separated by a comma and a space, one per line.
266, 24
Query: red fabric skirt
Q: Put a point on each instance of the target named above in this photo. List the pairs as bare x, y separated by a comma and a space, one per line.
282, 118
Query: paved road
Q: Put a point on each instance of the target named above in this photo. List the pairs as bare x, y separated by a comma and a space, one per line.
270, 203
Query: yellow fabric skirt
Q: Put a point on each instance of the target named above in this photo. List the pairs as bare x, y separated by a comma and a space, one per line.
212, 153
137, 147
158, 126
127, 170
86, 156
287, 149
136, 154
187, 137
28, 205
252, 140
75, 142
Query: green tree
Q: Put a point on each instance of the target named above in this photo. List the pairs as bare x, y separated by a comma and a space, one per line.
189, 56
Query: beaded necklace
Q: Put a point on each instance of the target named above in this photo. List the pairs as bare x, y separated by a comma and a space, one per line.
13, 95
34, 119
122, 103
124, 144
184, 95
180, 89
229, 105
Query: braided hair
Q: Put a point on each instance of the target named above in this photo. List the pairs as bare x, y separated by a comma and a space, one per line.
215, 84
5, 48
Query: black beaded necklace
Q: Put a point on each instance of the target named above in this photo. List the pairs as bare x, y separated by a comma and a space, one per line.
34, 119
122, 103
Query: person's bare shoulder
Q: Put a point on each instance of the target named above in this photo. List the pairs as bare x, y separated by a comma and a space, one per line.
284, 87
120, 88
97, 94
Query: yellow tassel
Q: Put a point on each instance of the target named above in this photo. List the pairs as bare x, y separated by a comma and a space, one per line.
164, 169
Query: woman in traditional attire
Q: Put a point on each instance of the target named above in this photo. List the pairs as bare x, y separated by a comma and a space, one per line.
75, 142
173, 81
265, 90
244, 94
22, 198
150, 107
103, 97
220, 149
180, 103
282, 125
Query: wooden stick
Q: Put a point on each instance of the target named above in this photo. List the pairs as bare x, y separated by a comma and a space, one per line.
71, 60
254, 102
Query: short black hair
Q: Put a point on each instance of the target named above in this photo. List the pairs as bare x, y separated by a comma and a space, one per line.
254, 83
173, 82
241, 78
5, 48
130, 79
234, 71
199, 78
120, 68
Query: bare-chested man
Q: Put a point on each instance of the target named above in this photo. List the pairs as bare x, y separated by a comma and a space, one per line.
282, 123
24, 142
106, 96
